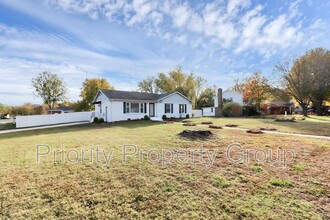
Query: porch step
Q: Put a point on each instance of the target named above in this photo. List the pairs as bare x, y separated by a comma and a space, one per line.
156, 119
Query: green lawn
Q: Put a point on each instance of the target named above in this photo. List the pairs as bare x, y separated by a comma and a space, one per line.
7, 126
134, 190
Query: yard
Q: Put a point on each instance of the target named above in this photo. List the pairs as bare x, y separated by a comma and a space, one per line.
145, 188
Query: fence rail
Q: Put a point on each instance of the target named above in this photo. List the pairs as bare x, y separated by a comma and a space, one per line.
41, 120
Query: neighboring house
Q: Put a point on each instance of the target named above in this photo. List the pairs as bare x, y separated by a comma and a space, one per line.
227, 95
59, 110
279, 107
231, 95
114, 105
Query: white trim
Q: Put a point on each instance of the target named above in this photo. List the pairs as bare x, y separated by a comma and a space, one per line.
173, 93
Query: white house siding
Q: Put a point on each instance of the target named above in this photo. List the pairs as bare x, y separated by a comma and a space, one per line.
176, 100
208, 111
105, 104
117, 111
230, 94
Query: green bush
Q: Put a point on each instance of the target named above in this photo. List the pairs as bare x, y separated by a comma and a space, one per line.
96, 120
146, 117
100, 120
232, 109
187, 115
164, 117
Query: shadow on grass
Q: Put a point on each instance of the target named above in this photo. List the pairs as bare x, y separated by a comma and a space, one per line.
82, 127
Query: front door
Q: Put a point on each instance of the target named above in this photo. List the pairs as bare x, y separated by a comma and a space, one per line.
151, 109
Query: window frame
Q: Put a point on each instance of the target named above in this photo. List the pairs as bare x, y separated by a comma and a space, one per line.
140, 107
170, 108
182, 108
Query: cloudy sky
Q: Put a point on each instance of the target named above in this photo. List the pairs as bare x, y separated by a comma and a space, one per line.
126, 41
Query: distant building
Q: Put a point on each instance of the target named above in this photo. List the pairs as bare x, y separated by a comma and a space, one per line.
279, 107
222, 97
60, 110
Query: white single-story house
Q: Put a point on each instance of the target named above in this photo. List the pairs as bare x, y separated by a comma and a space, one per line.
115, 105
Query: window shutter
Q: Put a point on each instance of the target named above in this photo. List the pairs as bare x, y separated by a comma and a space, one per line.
145, 108
164, 108
124, 109
185, 108
171, 108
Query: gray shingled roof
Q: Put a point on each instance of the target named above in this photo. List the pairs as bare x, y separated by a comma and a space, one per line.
125, 95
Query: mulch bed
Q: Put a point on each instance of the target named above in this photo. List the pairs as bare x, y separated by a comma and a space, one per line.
207, 122
186, 121
189, 124
231, 125
254, 131
196, 134
215, 127
268, 129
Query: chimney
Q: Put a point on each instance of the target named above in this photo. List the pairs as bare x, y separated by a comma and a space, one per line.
218, 109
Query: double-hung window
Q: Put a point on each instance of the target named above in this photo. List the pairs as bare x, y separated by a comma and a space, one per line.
182, 108
168, 108
135, 107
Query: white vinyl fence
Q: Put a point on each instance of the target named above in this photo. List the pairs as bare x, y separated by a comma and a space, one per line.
41, 120
197, 113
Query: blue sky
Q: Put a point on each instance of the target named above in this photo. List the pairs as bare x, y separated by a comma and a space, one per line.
126, 41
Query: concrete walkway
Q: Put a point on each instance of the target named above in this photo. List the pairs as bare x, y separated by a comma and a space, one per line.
42, 127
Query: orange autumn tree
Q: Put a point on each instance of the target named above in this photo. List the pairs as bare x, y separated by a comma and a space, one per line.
256, 89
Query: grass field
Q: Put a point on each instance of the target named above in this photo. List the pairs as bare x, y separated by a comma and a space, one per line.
153, 189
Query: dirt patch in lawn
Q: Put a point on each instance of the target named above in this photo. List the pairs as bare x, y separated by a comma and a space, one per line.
196, 134
189, 124
231, 125
254, 131
207, 122
215, 127
268, 129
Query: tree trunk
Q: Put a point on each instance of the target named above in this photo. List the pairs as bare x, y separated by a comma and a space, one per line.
318, 106
304, 110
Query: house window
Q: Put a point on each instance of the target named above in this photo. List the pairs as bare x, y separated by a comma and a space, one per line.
100, 105
135, 108
182, 108
141, 107
127, 108
168, 108
211, 109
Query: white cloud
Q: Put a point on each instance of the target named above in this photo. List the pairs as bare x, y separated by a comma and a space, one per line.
232, 24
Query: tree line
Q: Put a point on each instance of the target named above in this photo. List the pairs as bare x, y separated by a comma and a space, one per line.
305, 79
